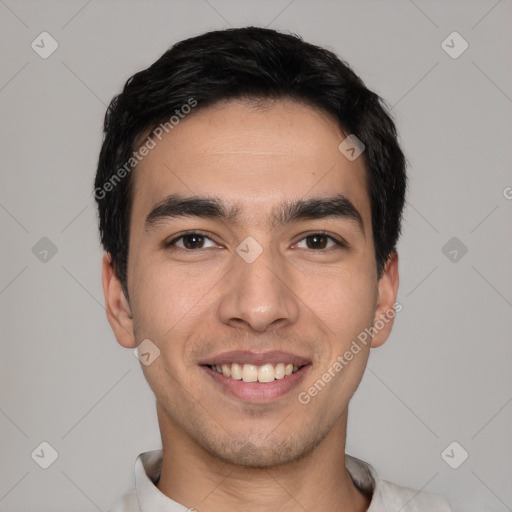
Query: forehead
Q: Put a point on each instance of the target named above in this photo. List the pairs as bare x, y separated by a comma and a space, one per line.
252, 156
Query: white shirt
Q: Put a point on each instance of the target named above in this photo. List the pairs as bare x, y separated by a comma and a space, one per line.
386, 496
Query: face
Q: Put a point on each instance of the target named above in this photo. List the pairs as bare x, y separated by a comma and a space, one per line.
272, 272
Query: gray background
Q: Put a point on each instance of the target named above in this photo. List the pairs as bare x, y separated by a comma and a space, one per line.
443, 376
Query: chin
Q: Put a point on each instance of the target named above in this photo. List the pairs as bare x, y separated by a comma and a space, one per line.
263, 453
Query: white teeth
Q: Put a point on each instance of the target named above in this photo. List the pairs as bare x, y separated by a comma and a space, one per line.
279, 371
266, 373
236, 371
252, 373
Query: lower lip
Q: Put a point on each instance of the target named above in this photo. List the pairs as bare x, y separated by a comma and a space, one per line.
258, 392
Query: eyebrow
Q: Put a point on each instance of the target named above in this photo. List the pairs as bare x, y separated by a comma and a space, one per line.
176, 206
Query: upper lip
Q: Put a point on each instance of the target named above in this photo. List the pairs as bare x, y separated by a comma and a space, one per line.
257, 359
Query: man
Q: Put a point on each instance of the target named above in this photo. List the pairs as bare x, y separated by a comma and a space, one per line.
250, 192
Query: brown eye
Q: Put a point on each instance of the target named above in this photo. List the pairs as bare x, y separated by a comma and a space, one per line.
318, 241
191, 241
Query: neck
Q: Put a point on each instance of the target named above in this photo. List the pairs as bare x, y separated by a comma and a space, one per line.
318, 481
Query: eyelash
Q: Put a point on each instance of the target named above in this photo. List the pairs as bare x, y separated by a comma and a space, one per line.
171, 244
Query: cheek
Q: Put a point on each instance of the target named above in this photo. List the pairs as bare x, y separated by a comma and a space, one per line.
343, 300
171, 301
168, 303
343, 308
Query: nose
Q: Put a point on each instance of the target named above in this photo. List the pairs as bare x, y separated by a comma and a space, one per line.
259, 295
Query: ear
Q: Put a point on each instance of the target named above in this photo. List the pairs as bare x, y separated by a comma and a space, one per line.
386, 302
118, 309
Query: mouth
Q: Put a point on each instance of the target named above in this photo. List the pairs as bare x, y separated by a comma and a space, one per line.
257, 377
252, 373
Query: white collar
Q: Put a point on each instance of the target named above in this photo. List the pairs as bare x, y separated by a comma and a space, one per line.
386, 496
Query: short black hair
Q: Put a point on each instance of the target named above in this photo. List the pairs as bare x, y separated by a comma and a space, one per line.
254, 63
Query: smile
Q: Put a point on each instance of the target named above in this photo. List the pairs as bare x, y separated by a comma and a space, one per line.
251, 373
252, 390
